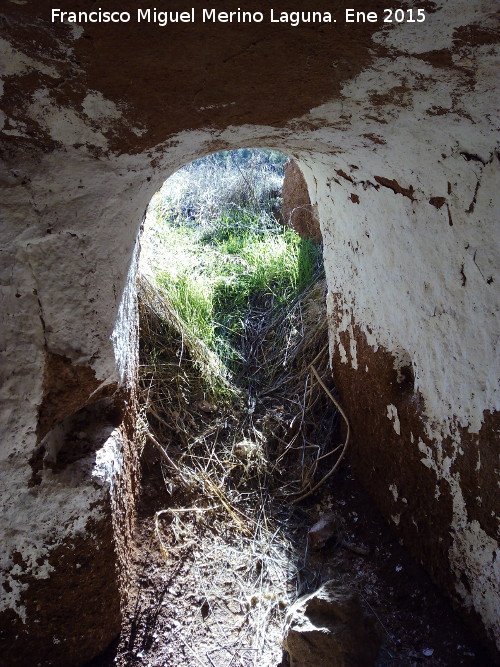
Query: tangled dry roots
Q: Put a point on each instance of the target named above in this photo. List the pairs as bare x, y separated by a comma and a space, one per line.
190, 402
236, 460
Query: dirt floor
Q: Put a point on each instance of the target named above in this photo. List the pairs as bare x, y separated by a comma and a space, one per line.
211, 602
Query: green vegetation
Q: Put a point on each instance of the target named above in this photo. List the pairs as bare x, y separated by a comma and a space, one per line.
217, 250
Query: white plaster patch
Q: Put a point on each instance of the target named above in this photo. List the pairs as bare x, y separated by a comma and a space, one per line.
343, 353
14, 62
72, 497
125, 334
352, 348
392, 414
16, 128
109, 460
64, 125
428, 459
217, 106
99, 109
431, 34
76, 30
477, 556
392, 267
138, 131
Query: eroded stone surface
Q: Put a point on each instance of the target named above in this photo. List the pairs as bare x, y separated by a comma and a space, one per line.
297, 210
64, 584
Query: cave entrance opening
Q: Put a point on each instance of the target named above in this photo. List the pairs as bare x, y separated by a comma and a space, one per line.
236, 424
220, 250
237, 429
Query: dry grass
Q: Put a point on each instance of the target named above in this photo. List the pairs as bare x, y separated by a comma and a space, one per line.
234, 469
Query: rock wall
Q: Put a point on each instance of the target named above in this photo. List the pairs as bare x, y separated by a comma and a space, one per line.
297, 210
397, 143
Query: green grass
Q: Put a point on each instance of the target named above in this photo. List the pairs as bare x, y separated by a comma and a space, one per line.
217, 252
213, 279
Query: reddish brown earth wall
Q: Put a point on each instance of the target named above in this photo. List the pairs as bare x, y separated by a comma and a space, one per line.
298, 212
424, 503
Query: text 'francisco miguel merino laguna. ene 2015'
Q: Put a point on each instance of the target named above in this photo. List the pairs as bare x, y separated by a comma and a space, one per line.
210, 15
